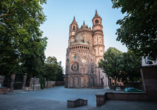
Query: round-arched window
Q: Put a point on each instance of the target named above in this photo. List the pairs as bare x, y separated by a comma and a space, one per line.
74, 56
84, 61
73, 27
96, 21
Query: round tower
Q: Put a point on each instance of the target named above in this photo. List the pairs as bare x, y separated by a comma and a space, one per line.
98, 38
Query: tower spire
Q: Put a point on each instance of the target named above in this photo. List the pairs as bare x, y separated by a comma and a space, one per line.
74, 21
96, 14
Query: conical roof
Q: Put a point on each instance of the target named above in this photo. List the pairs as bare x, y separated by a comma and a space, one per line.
96, 15
74, 22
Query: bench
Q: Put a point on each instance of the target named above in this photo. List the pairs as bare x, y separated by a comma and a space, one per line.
76, 102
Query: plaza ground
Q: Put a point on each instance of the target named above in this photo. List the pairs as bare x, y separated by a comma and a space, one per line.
56, 99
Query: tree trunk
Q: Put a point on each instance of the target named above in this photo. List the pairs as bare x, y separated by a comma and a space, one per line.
115, 84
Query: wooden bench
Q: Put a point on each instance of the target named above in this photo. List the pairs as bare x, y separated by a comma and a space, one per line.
76, 102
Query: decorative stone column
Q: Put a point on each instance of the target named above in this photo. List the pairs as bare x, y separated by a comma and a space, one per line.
12, 81
24, 80
2, 80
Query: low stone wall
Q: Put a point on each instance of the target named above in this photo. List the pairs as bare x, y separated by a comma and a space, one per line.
34, 82
60, 83
49, 84
4, 90
101, 97
2, 80
126, 96
97, 87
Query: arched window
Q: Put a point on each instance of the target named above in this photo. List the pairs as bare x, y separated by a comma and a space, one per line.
96, 21
73, 27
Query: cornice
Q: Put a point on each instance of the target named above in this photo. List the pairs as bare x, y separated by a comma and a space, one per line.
94, 31
98, 25
98, 45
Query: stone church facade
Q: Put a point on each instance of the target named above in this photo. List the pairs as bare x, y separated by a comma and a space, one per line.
85, 49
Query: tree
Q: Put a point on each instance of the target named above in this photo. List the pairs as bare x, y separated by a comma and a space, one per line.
112, 63
53, 69
19, 29
51, 60
50, 71
33, 64
131, 66
59, 75
138, 28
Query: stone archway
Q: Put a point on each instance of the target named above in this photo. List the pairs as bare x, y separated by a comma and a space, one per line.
86, 81
82, 81
71, 81
76, 84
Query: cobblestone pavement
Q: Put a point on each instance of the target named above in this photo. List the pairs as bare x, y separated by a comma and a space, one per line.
12, 102
60, 93
56, 99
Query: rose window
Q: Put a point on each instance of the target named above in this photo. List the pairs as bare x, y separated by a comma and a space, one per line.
75, 67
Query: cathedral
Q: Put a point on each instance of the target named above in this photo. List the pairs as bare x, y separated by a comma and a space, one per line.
85, 49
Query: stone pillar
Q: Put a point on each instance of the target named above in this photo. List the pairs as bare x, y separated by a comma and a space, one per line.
12, 81
31, 83
2, 80
24, 80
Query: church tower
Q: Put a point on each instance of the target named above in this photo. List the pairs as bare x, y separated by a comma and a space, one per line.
72, 31
85, 49
98, 44
98, 38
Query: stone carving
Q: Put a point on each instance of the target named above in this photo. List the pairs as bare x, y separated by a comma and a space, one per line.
75, 67
84, 69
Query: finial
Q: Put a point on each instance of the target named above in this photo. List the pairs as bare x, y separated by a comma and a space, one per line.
96, 12
83, 22
74, 20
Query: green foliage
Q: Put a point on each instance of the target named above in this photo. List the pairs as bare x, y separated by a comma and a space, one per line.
112, 63
59, 75
131, 66
42, 82
121, 66
20, 36
51, 60
138, 28
53, 70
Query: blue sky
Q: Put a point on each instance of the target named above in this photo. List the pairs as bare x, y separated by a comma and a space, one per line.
59, 15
